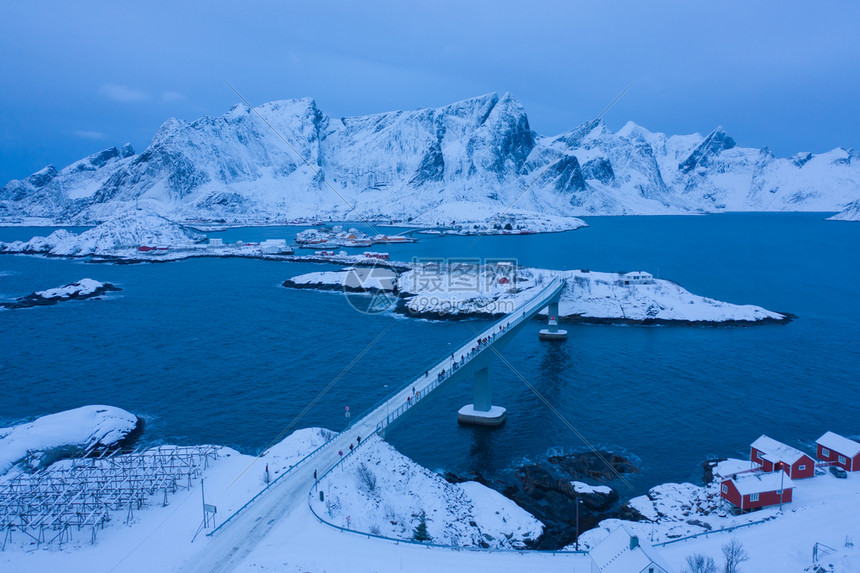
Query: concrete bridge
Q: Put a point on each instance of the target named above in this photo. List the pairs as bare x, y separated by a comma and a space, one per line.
472, 361
236, 537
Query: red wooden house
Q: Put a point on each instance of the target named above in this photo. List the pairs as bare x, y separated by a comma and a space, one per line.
770, 455
839, 450
754, 491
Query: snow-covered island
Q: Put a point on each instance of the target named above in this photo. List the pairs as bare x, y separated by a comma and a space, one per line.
492, 290
73, 433
850, 213
80, 290
123, 234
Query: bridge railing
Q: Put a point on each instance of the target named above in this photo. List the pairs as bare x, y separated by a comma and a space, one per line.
710, 532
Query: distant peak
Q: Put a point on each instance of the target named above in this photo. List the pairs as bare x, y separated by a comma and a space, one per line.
721, 138
715, 143
628, 128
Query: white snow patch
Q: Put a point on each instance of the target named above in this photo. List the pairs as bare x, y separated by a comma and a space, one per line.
82, 287
384, 493
581, 487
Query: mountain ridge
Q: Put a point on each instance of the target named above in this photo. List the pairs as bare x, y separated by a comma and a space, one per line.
243, 166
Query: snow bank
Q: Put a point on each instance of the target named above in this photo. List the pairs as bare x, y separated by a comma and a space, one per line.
297, 445
37, 444
384, 492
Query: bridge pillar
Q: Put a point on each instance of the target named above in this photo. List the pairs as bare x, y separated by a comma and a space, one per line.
552, 331
482, 412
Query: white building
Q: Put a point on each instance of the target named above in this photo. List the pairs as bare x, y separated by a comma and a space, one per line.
216, 242
275, 247
637, 278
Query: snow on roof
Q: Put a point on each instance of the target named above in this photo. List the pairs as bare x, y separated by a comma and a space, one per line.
614, 555
840, 444
638, 273
777, 451
760, 483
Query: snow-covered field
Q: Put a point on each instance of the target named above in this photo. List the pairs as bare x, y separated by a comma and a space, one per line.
160, 538
384, 493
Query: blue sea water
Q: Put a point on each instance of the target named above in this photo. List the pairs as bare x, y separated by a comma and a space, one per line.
216, 351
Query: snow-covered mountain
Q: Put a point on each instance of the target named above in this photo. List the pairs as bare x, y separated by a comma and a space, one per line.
287, 159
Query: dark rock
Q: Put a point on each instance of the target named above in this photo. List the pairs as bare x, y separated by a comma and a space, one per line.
600, 169
708, 467
593, 465
716, 142
699, 523
34, 299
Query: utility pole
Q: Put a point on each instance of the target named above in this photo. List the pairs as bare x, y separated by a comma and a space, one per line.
578, 501
781, 482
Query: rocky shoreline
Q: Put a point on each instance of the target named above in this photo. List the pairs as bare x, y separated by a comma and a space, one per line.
551, 488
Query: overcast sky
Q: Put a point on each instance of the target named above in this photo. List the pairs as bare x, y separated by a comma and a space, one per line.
77, 77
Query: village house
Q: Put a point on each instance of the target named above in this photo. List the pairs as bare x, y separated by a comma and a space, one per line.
754, 491
769, 454
840, 450
637, 278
